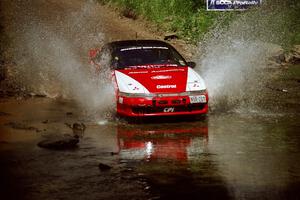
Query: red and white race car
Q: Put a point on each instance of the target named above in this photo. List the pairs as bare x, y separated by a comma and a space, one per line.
152, 79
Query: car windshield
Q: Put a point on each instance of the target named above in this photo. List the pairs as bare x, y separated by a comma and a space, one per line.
145, 57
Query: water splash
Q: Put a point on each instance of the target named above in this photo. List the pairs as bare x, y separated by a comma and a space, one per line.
234, 58
51, 53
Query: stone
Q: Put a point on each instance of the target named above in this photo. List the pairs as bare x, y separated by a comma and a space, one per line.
79, 126
272, 64
289, 57
278, 55
78, 129
296, 49
114, 153
20, 126
60, 143
3, 113
129, 13
170, 36
296, 54
104, 167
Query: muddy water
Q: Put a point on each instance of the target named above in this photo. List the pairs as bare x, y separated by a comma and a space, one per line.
227, 156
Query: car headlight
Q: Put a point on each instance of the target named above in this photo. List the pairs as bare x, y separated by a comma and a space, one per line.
124, 94
196, 92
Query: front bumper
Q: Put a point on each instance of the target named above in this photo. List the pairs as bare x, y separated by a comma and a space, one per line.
159, 106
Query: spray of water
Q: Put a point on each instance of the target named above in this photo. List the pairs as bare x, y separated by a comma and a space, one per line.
234, 58
51, 53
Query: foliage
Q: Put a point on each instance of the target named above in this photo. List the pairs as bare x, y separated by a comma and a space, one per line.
188, 18
191, 21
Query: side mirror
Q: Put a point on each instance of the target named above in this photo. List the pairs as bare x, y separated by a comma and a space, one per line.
93, 53
191, 64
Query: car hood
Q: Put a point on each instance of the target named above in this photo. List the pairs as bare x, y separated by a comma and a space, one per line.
159, 80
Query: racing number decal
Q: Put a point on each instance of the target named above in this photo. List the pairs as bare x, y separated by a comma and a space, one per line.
168, 110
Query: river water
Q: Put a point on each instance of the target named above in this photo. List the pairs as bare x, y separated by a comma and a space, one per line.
228, 155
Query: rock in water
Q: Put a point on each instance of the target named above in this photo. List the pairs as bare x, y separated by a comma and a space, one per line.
79, 126
20, 126
59, 143
289, 57
277, 54
78, 129
296, 53
104, 167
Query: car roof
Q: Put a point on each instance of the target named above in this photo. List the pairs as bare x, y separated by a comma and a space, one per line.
126, 43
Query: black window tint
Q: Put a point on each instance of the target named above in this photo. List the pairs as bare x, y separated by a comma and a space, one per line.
146, 55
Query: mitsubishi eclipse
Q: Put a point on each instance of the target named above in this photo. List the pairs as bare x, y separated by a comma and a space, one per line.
152, 79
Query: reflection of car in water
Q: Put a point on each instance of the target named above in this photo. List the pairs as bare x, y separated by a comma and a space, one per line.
174, 159
152, 79
150, 143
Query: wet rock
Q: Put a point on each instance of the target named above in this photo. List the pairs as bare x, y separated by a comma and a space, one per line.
296, 49
69, 125
272, 64
63, 143
9, 93
45, 121
129, 13
277, 89
289, 57
78, 129
155, 198
114, 153
32, 94
147, 188
3, 114
21, 126
69, 113
280, 58
104, 167
2, 70
296, 54
79, 126
296, 80
141, 174
170, 36
40, 95
127, 170
277, 54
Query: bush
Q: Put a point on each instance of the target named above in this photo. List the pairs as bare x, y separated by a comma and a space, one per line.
188, 18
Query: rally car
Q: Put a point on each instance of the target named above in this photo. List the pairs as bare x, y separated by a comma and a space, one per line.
152, 79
